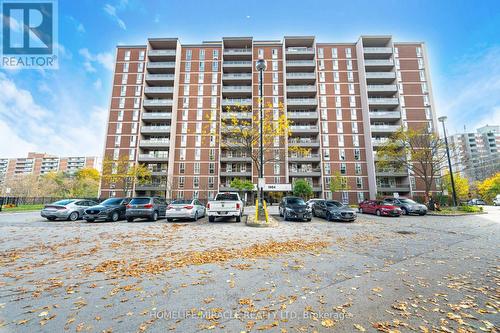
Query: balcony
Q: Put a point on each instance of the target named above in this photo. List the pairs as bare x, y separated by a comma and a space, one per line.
301, 102
304, 129
233, 158
379, 142
155, 129
305, 158
306, 89
379, 64
161, 67
385, 115
159, 91
157, 116
236, 173
377, 52
159, 78
293, 65
382, 88
247, 51
302, 115
153, 158
383, 129
237, 77
304, 173
300, 52
394, 188
236, 101
151, 187
374, 101
236, 91
304, 143
391, 173
157, 103
301, 77
237, 115
154, 143
380, 77
235, 66
161, 54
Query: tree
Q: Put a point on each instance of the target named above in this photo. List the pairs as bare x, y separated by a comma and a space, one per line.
125, 173
338, 183
242, 185
302, 188
489, 188
462, 187
419, 151
243, 136
86, 183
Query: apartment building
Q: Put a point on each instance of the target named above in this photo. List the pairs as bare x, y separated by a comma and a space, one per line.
40, 163
343, 99
477, 154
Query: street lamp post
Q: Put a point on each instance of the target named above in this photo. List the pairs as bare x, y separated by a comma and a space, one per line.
454, 194
261, 66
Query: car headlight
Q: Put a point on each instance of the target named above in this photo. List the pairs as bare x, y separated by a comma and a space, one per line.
288, 209
109, 210
308, 209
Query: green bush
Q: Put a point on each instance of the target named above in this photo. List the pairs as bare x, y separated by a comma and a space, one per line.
471, 209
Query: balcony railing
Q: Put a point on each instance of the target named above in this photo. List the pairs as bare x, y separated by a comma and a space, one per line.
382, 87
385, 114
383, 101
385, 128
237, 101
379, 62
301, 88
290, 76
157, 102
156, 115
302, 115
237, 115
300, 63
153, 157
300, 50
303, 143
237, 63
301, 101
154, 143
309, 157
159, 90
304, 128
155, 129
237, 76
159, 77
380, 75
245, 89
238, 51
161, 52
377, 50
161, 64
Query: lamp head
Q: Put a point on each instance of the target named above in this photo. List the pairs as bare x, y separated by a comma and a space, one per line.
260, 65
442, 119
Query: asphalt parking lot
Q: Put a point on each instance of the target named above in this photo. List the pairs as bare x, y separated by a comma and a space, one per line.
377, 274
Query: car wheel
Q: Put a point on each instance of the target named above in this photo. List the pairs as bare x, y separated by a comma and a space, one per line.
421, 214
285, 216
211, 219
378, 212
362, 211
328, 216
115, 216
309, 220
195, 218
313, 213
51, 218
405, 212
281, 213
90, 220
73, 216
154, 217
238, 218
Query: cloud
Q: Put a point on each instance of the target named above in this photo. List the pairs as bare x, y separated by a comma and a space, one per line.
111, 11
98, 84
63, 129
106, 60
470, 94
78, 25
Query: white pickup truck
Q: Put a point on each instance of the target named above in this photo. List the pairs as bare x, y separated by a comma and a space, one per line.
226, 204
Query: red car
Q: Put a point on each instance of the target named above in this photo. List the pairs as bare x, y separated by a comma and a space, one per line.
379, 208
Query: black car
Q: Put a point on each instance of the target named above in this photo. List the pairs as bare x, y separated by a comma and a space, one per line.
333, 210
112, 209
294, 208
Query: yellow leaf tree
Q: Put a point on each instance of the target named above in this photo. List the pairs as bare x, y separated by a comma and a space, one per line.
462, 187
125, 173
489, 188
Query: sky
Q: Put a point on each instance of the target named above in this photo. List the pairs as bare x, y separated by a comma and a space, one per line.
64, 111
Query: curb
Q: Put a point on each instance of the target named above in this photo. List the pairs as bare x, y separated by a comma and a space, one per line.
458, 214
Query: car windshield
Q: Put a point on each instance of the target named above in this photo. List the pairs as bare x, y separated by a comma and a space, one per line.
295, 201
334, 204
111, 202
139, 201
227, 197
181, 202
408, 201
63, 202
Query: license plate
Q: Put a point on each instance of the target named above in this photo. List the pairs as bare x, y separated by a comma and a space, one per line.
178, 209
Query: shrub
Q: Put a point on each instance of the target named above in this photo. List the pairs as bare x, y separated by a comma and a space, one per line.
471, 209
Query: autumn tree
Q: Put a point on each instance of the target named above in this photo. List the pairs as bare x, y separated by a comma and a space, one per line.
242, 185
86, 183
489, 188
462, 187
421, 152
125, 173
338, 183
302, 188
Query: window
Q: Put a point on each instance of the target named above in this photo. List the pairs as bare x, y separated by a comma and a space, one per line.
322, 100
261, 53
197, 141
201, 77
275, 65
321, 76
426, 100
140, 67
420, 63
340, 127
137, 90
342, 154
182, 154
338, 101
198, 127
118, 128
183, 140
334, 53
351, 89
336, 65
196, 169
211, 168
202, 54
338, 114
396, 52
341, 140
182, 168
324, 127
189, 54
116, 154
214, 78
336, 88
122, 103
422, 75
355, 127
321, 64
336, 77
120, 115
188, 66
357, 154
181, 181
357, 168
141, 55
354, 114
326, 140
215, 54
424, 88
343, 168
349, 64
134, 128
355, 140
419, 51
197, 154
276, 168
321, 53
275, 77
131, 154
125, 67
202, 66
133, 140
359, 182
324, 114
213, 102
118, 139
211, 154
326, 154
348, 52
215, 66
127, 55
137, 102
275, 53
124, 78
275, 89
184, 128
123, 90
211, 182
327, 168
350, 77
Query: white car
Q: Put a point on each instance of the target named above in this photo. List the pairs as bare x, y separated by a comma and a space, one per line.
226, 204
496, 201
185, 209
310, 202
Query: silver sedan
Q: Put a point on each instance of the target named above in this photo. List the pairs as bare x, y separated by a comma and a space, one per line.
185, 209
67, 209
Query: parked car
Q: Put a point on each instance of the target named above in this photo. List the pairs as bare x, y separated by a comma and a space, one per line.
379, 208
294, 208
150, 208
407, 206
496, 201
226, 204
185, 209
111, 210
476, 202
67, 209
311, 202
333, 210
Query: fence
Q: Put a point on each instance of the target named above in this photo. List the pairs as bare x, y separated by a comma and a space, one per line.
19, 201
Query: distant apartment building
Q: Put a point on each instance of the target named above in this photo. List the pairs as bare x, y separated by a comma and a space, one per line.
40, 163
477, 154
343, 99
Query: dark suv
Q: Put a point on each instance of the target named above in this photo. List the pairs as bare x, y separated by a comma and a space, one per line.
112, 209
294, 208
151, 208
